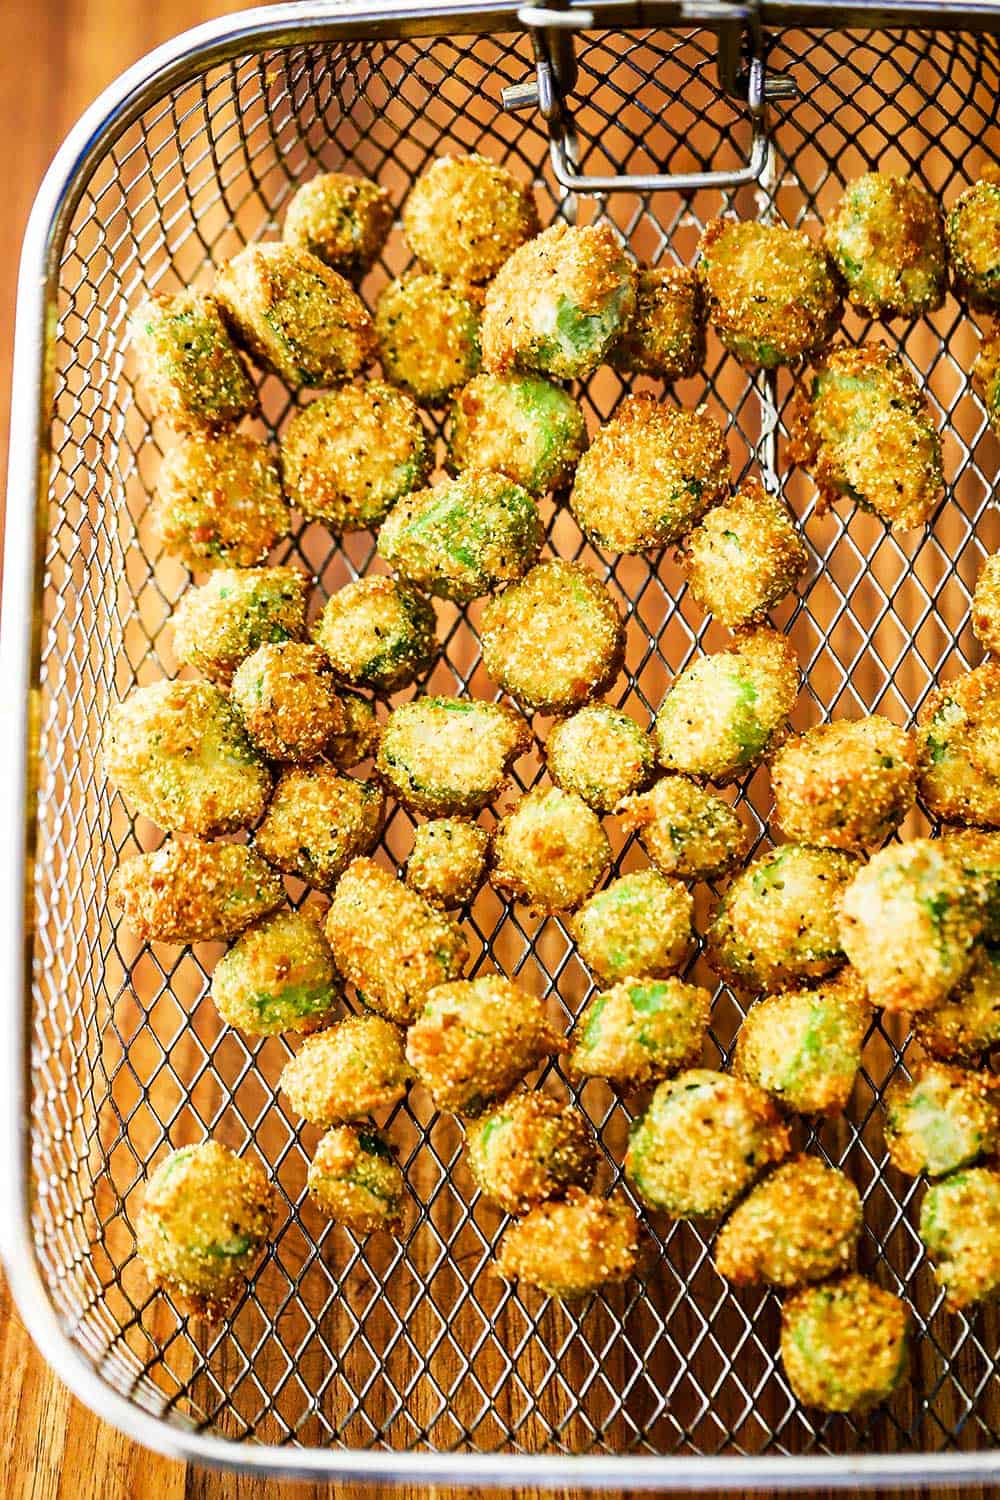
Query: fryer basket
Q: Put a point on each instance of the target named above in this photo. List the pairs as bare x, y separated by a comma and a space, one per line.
410, 1359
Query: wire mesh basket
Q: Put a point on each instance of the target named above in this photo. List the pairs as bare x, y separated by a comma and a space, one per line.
409, 1358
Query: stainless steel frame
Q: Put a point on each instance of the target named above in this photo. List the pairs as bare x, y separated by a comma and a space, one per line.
71, 613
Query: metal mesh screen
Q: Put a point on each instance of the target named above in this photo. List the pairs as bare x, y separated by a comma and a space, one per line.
416, 1343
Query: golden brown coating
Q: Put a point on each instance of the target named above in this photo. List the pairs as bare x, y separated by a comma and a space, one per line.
844, 1344
665, 336
845, 785
640, 1031
986, 375
286, 697
528, 1149
886, 238
986, 605
958, 735
972, 230
378, 633
354, 1179
745, 556
960, 1226
206, 1216
967, 1024
942, 1118
600, 754
801, 1224
649, 475
189, 367
447, 863
318, 821
637, 927
343, 220
572, 1248
686, 830
447, 756
474, 1039
465, 215
358, 740
551, 851
219, 624
348, 1071
428, 335
527, 428
804, 1046
192, 891
218, 501
390, 943
278, 976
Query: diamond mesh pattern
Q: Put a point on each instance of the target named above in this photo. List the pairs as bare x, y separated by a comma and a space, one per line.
416, 1343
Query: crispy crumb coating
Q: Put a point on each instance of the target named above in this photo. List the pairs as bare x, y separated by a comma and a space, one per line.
220, 623
686, 830
218, 501
347, 1071
551, 851
286, 697
704, 1138
972, 230
447, 756
193, 891
638, 926
986, 375
465, 215
744, 556
555, 638
601, 754
866, 434
343, 220
188, 365
886, 238
528, 1149
726, 711
527, 428
428, 335
769, 291
378, 633
958, 735
845, 785
447, 864
571, 1248
318, 821
474, 1039
390, 943
801, 1224
943, 1118
651, 472
804, 1046
181, 756
462, 538
986, 605
967, 1024
558, 304
844, 1344
960, 1226
278, 976
348, 456
206, 1216
358, 739
295, 316
777, 924
354, 1178
640, 1031
665, 336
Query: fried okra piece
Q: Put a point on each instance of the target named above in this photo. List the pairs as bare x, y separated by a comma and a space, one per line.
551, 851
188, 365
744, 557
866, 434
278, 976
960, 1226
191, 892
986, 376
886, 238
428, 335
447, 756
726, 711
221, 623
574, 1247
359, 737
447, 863
801, 1224
640, 1031
318, 821
390, 943
344, 221
555, 638
218, 502
294, 315
943, 1118
845, 785
638, 926
804, 1046
378, 633
968, 1023
206, 1216
474, 1039
348, 456
703, 1140
558, 304
528, 1149
527, 428
181, 756
665, 336
348, 1071
601, 754
685, 829
958, 732
778, 923
465, 215
844, 1344
462, 538
649, 475
769, 291
972, 230
286, 697
986, 605
354, 1178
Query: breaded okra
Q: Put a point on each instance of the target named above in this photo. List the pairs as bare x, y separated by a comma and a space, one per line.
551, 851
528, 1149
343, 220
571, 1248
318, 821
465, 215
188, 365
801, 1224
354, 1179
958, 735
285, 695
447, 863
358, 739
347, 1071
640, 1031
845, 785
986, 605
218, 502
804, 1046
378, 633
986, 375
685, 829
637, 927
967, 1024
601, 754
446, 756
744, 556
278, 976
960, 1226
886, 238
428, 335
193, 891
943, 1118
844, 1344
972, 230
665, 336
236, 610
527, 428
